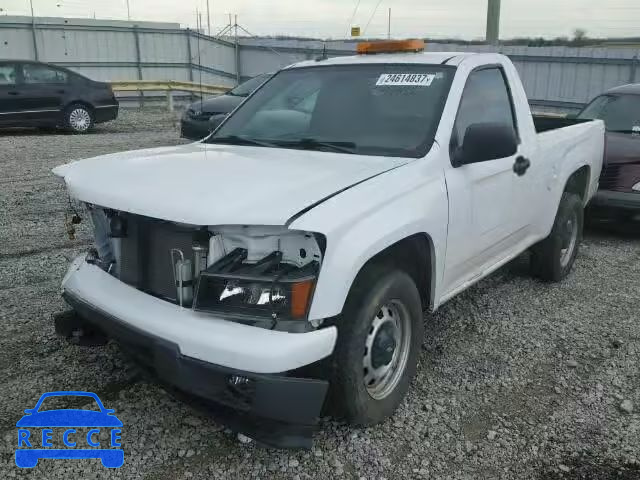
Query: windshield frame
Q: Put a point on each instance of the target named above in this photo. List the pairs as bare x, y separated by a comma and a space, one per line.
420, 151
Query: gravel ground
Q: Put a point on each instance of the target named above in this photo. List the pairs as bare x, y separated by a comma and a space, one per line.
517, 379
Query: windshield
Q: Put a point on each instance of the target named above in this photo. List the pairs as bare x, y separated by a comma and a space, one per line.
245, 89
621, 113
376, 109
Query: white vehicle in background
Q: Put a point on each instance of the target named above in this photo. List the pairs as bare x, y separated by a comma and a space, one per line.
294, 251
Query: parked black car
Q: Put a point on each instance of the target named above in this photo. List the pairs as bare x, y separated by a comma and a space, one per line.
203, 116
34, 94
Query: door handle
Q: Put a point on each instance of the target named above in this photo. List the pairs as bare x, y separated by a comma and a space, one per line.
14, 93
61, 92
521, 166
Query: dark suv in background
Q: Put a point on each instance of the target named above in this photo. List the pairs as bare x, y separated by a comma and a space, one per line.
619, 194
34, 94
202, 117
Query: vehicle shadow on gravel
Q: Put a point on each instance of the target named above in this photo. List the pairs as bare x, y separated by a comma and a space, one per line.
593, 230
50, 132
619, 229
587, 468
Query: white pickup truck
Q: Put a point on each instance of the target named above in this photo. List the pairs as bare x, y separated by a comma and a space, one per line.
286, 261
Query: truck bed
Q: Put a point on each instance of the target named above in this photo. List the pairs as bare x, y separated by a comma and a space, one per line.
544, 123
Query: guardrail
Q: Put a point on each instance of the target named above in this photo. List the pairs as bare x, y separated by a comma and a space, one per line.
168, 86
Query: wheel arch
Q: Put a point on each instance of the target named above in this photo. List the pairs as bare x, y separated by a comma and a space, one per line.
415, 255
578, 182
84, 103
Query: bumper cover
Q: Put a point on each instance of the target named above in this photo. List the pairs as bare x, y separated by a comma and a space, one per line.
106, 113
621, 200
276, 410
198, 335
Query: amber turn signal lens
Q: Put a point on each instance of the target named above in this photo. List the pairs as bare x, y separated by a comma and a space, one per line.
300, 295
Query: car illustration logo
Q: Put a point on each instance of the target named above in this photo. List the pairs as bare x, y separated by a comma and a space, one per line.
37, 439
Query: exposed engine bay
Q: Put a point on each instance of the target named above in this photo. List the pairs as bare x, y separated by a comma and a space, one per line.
260, 275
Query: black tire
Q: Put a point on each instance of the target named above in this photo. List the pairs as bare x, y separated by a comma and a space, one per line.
82, 111
547, 260
375, 287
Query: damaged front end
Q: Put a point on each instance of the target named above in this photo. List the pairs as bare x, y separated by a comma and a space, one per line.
259, 277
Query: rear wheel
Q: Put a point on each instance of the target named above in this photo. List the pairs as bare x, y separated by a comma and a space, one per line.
78, 118
553, 258
379, 341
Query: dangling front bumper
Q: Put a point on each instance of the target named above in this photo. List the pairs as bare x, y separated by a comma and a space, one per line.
244, 369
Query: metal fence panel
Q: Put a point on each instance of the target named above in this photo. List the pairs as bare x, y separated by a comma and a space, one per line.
16, 43
158, 47
563, 77
107, 73
217, 56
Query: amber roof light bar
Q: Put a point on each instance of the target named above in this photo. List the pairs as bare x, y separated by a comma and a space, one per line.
391, 46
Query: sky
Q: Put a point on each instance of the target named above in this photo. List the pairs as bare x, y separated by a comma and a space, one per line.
464, 19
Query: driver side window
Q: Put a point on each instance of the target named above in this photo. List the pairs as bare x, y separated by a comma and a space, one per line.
8, 74
486, 99
39, 74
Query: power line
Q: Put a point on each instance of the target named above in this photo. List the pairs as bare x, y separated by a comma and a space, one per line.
353, 16
372, 15
255, 36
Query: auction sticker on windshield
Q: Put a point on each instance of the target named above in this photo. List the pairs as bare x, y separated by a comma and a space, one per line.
406, 79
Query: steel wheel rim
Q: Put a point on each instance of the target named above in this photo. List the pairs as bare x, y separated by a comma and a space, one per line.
79, 119
569, 239
393, 320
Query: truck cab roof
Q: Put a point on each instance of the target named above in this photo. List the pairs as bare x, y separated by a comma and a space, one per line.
424, 58
630, 89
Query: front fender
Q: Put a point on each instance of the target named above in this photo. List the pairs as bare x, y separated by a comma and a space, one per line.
366, 219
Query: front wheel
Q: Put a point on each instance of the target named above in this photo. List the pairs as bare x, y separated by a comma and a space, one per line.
78, 118
379, 339
553, 258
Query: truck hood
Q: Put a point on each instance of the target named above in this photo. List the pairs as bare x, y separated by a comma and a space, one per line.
202, 184
622, 148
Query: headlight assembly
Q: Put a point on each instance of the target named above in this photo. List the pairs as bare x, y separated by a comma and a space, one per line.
268, 288
636, 187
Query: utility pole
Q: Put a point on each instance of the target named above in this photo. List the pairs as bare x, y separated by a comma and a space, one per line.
389, 25
208, 19
237, 52
128, 11
493, 22
33, 32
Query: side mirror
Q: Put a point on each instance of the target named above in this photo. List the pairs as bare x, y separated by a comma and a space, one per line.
486, 141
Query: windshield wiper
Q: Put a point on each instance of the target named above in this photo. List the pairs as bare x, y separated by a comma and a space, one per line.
236, 140
313, 144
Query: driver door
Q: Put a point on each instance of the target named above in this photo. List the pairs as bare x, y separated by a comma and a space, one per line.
10, 97
483, 224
